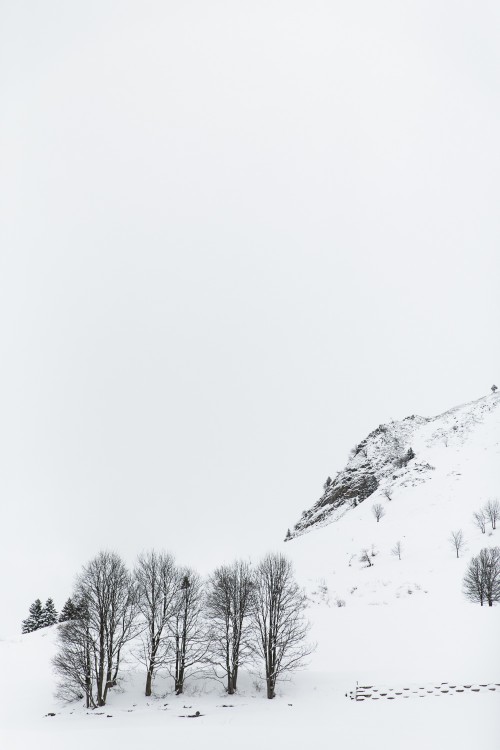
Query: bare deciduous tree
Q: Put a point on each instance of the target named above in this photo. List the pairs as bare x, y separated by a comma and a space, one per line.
474, 582
187, 628
365, 557
378, 511
73, 662
228, 607
107, 595
482, 577
480, 520
157, 584
492, 512
490, 562
397, 550
280, 626
457, 541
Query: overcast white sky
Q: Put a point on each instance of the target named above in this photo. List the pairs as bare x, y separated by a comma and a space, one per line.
234, 238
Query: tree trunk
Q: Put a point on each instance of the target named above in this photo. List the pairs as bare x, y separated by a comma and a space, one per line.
149, 682
270, 688
179, 682
100, 681
151, 669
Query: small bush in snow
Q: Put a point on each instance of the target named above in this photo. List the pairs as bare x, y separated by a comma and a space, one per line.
340, 602
402, 461
397, 550
378, 511
365, 557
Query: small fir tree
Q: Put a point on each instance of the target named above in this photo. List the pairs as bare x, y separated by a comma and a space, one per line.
49, 614
35, 617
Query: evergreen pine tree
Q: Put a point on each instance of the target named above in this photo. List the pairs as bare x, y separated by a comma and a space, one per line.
33, 621
49, 614
68, 612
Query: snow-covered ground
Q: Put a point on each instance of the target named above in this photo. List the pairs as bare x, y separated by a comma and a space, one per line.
404, 622
313, 709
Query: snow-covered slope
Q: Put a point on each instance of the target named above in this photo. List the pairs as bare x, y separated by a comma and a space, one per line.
459, 446
407, 618
402, 622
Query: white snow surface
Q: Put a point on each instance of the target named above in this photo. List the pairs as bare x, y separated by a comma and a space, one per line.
405, 622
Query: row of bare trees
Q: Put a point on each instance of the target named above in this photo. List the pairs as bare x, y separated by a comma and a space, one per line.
170, 619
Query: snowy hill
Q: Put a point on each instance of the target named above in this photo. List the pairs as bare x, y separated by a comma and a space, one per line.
396, 622
398, 457
456, 469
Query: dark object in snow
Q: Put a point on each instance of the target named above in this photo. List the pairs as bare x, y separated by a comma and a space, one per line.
50, 714
191, 716
494, 388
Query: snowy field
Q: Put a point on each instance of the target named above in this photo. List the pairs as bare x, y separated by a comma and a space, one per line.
386, 647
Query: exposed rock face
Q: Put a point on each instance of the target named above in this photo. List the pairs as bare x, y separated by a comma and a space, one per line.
392, 456
350, 486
